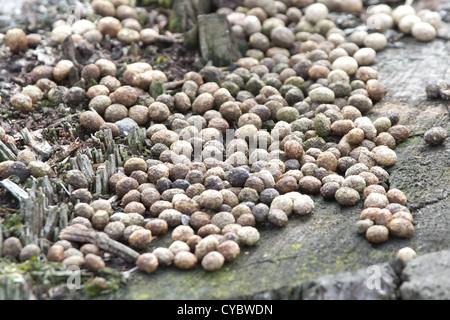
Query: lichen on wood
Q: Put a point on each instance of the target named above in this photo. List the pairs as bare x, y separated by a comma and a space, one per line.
217, 44
101, 240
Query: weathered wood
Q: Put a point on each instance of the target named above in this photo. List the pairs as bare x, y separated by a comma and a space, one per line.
74, 77
201, 6
120, 155
29, 212
37, 143
217, 44
38, 221
63, 216
98, 184
110, 166
64, 154
98, 156
169, 39
109, 140
34, 214
51, 223
184, 13
182, 16
56, 233
12, 147
173, 85
14, 189
74, 164
88, 152
136, 139
85, 166
106, 141
68, 192
113, 199
156, 89
62, 121
101, 240
105, 178
69, 52
48, 190
11, 78
6, 153
13, 286
116, 154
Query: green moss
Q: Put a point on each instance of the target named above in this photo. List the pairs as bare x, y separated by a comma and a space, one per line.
177, 18
142, 18
297, 81
232, 87
243, 279
322, 125
254, 53
92, 17
39, 273
12, 223
44, 275
288, 114
91, 83
156, 89
98, 286
254, 85
316, 142
410, 141
161, 60
142, 296
323, 243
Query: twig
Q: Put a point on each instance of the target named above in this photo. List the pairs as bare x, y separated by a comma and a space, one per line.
51, 222
62, 155
34, 208
127, 274
6, 153
136, 139
85, 166
68, 48
17, 80
9, 209
64, 188
12, 147
174, 84
98, 184
48, 191
101, 240
14, 189
113, 199
63, 218
57, 123
168, 39
42, 147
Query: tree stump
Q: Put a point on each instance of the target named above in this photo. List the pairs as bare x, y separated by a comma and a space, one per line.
217, 43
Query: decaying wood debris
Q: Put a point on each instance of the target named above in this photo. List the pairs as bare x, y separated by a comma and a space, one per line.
48, 204
37, 143
101, 240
